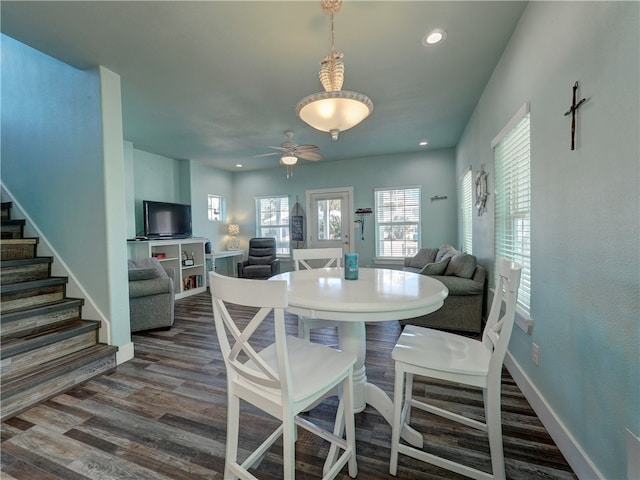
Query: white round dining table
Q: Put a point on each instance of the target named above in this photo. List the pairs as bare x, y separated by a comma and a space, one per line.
377, 295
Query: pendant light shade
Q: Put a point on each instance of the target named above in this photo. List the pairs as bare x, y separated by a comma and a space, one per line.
334, 112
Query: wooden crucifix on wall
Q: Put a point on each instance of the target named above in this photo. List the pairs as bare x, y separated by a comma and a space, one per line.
572, 111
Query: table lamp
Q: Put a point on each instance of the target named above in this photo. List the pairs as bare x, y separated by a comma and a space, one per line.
233, 244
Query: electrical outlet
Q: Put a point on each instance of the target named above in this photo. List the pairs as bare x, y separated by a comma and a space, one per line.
535, 353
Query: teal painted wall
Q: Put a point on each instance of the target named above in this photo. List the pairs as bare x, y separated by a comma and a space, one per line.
204, 181
59, 127
434, 171
160, 179
585, 221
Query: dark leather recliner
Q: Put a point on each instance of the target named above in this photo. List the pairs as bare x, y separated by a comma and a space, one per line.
261, 262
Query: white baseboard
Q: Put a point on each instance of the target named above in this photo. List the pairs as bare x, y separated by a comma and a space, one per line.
124, 353
576, 457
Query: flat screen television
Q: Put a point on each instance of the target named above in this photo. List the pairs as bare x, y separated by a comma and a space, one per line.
166, 220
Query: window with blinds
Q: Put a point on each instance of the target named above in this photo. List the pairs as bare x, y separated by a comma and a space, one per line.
397, 221
466, 213
214, 207
513, 200
272, 220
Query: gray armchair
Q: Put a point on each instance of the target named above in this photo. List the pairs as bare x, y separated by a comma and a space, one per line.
261, 263
151, 295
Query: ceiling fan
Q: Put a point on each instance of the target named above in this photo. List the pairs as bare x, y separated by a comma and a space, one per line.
290, 151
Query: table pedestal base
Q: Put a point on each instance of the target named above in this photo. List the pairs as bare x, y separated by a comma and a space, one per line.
352, 338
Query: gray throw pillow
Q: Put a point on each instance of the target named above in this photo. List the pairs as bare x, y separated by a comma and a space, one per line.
445, 251
136, 274
437, 268
461, 265
423, 257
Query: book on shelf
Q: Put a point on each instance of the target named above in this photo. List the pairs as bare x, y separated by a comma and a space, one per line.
192, 281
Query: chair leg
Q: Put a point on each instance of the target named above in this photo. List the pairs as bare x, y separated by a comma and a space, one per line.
396, 427
408, 395
350, 425
344, 424
289, 448
494, 431
233, 425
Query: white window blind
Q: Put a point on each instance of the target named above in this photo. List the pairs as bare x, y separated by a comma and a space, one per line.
466, 214
513, 203
397, 221
272, 220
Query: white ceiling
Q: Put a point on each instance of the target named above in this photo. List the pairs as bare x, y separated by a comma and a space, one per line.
218, 81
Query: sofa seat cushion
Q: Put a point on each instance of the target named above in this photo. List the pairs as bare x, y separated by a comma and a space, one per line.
256, 271
155, 286
411, 269
461, 265
460, 286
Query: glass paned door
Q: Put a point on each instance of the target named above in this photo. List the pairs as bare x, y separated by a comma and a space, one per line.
329, 219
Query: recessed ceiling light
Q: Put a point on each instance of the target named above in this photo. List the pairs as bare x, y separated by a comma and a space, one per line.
423, 143
239, 165
434, 37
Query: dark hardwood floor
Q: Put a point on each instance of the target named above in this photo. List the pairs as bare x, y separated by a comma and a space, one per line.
162, 415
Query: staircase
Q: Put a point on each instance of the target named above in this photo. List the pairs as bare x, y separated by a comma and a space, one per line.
46, 346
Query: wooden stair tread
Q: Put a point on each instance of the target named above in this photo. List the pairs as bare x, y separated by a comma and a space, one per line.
47, 282
38, 387
19, 241
20, 313
15, 346
40, 373
25, 261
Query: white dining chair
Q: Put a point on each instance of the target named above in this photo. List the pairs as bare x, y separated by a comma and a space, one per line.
281, 379
461, 360
324, 258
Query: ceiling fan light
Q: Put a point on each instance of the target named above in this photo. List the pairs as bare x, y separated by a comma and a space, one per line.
288, 160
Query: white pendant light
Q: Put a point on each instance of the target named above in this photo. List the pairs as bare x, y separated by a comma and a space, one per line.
334, 110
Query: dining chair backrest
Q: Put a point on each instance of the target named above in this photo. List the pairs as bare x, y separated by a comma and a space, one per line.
235, 335
331, 256
280, 378
497, 331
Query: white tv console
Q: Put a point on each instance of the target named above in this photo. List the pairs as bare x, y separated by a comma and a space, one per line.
190, 279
